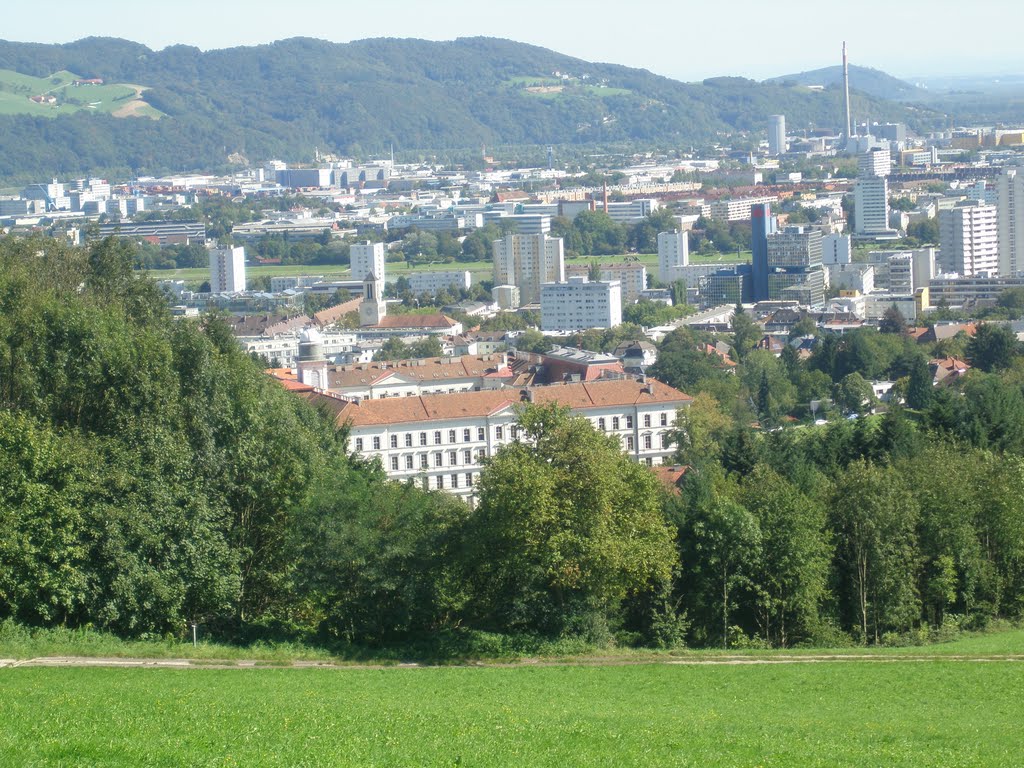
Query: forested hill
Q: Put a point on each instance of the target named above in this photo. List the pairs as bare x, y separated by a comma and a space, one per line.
285, 98
864, 79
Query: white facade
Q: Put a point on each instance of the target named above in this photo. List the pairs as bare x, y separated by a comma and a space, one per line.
579, 304
835, 249
777, 135
367, 258
871, 205
738, 209
969, 240
1010, 198
632, 211
505, 296
285, 348
441, 441
435, 282
874, 164
673, 253
227, 270
632, 277
528, 262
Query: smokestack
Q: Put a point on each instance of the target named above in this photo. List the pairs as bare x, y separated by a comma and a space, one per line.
846, 93
606, 196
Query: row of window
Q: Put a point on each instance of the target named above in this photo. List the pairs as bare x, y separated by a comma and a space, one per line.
408, 439
452, 481
409, 460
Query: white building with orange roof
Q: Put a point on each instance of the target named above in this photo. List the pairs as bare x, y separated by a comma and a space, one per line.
440, 441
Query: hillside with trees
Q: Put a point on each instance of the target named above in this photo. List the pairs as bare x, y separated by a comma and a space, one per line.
287, 98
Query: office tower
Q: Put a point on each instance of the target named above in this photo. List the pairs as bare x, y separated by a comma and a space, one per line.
762, 224
1010, 201
527, 262
794, 266
969, 239
366, 258
227, 270
777, 135
875, 162
673, 252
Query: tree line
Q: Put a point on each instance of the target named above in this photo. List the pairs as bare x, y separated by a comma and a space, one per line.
151, 475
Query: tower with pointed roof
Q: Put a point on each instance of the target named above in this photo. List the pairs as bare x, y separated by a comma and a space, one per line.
372, 307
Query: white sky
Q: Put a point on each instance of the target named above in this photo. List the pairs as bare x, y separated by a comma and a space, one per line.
684, 39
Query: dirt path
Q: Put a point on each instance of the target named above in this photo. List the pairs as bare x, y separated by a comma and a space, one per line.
139, 663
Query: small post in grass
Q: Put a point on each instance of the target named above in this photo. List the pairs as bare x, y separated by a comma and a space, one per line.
194, 643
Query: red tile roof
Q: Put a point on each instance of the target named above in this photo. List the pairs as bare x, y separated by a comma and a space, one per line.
577, 396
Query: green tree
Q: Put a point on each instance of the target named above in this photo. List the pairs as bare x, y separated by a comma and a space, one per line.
566, 529
992, 348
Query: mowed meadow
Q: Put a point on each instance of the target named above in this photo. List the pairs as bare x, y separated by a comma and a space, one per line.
891, 712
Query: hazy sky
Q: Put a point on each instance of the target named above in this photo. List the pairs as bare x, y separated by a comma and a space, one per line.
685, 39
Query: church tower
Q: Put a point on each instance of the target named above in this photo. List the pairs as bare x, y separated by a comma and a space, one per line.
372, 307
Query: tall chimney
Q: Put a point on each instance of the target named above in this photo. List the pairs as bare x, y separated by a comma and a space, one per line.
606, 195
846, 93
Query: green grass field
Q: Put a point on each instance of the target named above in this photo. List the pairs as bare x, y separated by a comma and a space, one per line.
481, 270
933, 713
118, 99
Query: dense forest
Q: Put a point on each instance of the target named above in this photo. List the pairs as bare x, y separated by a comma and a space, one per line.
151, 475
361, 98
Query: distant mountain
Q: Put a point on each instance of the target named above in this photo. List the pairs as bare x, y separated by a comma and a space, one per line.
873, 82
360, 98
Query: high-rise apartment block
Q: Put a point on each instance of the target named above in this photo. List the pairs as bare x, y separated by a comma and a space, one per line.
673, 253
580, 304
365, 259
777, 135
528, 262
871, 206
1010, 197
969, 239
227, 270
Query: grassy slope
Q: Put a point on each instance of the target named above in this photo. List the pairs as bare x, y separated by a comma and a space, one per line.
858, 714
16, 88
479, 269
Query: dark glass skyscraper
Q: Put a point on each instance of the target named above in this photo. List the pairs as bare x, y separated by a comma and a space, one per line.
762, 224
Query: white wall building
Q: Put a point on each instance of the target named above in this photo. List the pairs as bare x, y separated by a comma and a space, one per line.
673, 253
435, 282
441, 440
835, 249
579, 304
528, 262
227, 270
969, 239
366, 258
871, 206
632, 277
874, 164
1010, 198
505, 296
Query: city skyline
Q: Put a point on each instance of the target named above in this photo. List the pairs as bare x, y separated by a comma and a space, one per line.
652, 40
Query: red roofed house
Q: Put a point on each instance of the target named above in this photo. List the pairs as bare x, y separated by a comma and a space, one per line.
440, 440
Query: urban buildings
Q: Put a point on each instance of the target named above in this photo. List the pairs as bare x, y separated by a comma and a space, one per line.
365, 259
631, 275
871, 194
227, 270
835, 249
579, 304
762, 224
435, 282
969, 239
777, 135
528, 262
673, 253
441, 440
1010, 197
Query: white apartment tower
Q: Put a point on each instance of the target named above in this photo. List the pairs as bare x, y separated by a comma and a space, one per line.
580, 304
673, 252
777, 135
835, 249
969, 239
528, 262
367, 258
871, 193
227, 269
1010, 196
